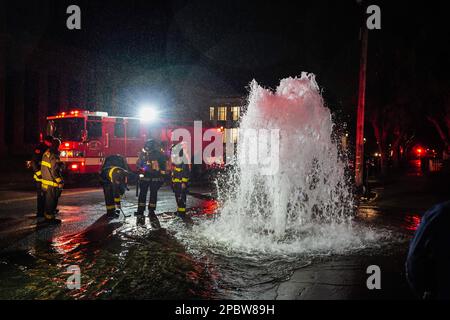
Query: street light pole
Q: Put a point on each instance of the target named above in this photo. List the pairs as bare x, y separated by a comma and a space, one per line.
359, 161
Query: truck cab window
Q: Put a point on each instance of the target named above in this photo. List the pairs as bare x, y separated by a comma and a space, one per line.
119, 130
133, 127
67, 129
94, 129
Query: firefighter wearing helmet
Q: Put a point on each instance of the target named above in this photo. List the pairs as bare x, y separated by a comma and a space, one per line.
52, 180
113, 178
35, 164
181, 172
151, 166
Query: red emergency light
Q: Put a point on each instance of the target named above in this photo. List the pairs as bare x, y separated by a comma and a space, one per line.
66, 146
74, 166
69, 113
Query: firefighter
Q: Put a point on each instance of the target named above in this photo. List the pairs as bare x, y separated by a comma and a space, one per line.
52, 180
114, 178
151, 166
37, 175
180, 179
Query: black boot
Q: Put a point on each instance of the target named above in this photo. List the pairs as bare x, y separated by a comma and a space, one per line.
140, 220
140, 211
154, 222
111, 214
54, 221
186, 219
51, 220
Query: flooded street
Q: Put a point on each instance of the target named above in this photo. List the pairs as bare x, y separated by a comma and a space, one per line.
121, 258
126, 259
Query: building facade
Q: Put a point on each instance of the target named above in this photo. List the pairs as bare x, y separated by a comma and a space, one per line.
226, 113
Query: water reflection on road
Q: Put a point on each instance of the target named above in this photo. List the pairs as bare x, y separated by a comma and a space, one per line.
396, 220
126, 259
118, 259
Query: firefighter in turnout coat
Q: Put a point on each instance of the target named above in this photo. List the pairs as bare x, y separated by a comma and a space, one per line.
114, 178
181, 172
52, 180
151, 166
35, 164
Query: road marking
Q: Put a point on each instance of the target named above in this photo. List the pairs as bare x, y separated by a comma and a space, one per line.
67, 193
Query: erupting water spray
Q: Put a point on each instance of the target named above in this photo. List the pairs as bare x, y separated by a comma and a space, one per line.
288, 189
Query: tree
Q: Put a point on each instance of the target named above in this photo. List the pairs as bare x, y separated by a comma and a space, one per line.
393, 102
391, 124
439, 116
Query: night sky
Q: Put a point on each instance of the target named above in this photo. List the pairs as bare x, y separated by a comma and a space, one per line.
219, 47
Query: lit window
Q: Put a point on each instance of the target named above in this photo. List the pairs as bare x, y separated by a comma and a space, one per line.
211, 113
235, 113
234, 135
222, 113
225, 134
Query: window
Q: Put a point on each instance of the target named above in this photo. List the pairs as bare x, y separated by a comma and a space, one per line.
211, 113
234, 135
231, 134
222, 113
119, 130
67, 128
235, 113
225, 134
94, 129
133, 128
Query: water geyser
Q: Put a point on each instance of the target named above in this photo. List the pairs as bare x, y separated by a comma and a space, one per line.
306, 204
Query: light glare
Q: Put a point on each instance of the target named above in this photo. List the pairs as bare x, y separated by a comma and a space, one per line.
148, 114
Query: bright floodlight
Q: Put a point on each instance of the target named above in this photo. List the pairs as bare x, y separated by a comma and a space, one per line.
148, 114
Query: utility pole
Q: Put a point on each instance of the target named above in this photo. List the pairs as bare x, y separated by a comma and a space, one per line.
359, 161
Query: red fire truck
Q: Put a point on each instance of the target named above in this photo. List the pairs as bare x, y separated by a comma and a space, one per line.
88, 137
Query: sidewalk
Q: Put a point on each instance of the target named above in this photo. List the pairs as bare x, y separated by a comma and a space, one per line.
409, 192
344, 277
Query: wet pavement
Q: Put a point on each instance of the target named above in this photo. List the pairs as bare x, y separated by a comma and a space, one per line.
125, 258
396, 210
120, 258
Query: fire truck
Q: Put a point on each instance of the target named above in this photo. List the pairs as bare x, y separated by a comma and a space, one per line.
88, 137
